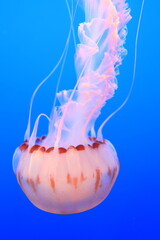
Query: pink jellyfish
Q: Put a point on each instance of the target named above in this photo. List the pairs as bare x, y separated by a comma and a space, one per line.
73, 168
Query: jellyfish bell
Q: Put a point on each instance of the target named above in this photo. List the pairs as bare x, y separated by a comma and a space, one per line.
66, 181
67, 171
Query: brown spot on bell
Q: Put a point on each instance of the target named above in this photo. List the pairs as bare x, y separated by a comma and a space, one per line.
98, 177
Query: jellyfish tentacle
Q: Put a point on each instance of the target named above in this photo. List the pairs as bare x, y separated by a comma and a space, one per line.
27, 133
72, 16
35, 128
61, 122
70, 99
72, 94
93, 132
111, 56
98, 56
59, 78
99, 134
92, 113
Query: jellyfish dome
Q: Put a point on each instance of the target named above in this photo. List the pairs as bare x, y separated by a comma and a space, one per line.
72, 168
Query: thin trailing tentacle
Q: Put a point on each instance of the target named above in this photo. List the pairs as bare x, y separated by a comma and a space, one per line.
34, 132
27, 133
72, 16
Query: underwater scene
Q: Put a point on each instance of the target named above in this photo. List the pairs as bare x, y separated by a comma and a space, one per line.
79, 119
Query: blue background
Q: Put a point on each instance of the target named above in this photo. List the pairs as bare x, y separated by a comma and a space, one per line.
32, 36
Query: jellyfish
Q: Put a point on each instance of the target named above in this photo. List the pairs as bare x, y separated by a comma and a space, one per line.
73, 168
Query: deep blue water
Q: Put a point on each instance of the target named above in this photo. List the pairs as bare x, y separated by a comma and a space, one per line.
32, 36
